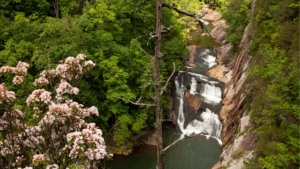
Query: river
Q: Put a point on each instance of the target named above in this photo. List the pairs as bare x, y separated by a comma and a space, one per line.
199, 152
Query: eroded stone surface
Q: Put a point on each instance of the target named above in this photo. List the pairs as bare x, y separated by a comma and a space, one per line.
212, 16
194, 101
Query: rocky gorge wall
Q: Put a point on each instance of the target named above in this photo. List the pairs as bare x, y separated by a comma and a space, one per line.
238, 141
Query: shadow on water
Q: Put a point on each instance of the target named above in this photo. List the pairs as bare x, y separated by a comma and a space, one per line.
191, 153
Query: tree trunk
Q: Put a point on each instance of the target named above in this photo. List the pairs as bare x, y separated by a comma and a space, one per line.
159, 139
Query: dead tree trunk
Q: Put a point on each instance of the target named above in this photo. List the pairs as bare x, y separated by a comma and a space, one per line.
158, 124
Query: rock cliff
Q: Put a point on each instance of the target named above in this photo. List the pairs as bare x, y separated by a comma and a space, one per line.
238, 140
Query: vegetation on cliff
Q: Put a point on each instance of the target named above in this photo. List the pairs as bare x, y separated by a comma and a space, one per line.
274, 82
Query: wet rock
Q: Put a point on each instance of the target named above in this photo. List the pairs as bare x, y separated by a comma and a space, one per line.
194, 101
192, 51
171, 103
151, 140
173, 117
204, 34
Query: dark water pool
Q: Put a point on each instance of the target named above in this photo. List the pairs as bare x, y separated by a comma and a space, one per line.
191, 153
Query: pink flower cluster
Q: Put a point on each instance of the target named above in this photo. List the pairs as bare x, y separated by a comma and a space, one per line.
18, 79
65, 87
21, 70
6, 95
19, 159
91, 136
54, 166
41, 81
38, 158
39, 95
61, 120
89, 64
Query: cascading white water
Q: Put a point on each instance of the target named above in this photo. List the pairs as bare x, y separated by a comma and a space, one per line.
211, 93
210, 123
193, 86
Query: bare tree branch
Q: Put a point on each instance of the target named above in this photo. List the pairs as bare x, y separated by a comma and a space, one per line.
193, 15
185, 136
152, 35
151, 57
165, 87
178, 10
137, 102
207, 32
164, 29
138, 7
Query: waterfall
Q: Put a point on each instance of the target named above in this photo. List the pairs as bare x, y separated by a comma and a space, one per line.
193, 86
207, 122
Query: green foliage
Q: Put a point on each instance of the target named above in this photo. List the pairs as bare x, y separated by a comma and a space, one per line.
236, 14
102, 30
238, 154
275, 69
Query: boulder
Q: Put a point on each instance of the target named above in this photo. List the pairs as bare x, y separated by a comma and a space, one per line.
204, 34
212, 16
194, 101
173, 117
151, 140
219, 33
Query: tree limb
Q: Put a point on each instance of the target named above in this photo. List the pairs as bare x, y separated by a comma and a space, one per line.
185, 136
207, 32
151, 57
137, 102
165, 87
193, 15
138, 7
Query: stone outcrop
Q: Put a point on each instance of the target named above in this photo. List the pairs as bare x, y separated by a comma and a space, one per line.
212, 16
223, 71
240, 150
238, 140
194, 101
219, 32
152, 140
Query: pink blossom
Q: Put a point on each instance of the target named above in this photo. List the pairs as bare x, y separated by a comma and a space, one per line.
54, 166
38, 158
86, 132
93, 110
109, 156
41, 81
18, 79
71, 60
22, 64
19, 159
89, 64
80, 57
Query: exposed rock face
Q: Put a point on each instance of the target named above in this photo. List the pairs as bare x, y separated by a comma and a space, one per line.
222, 72
192, 51
238, 141
152, 140
212, 16
194, 101
205, 10
219, 33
